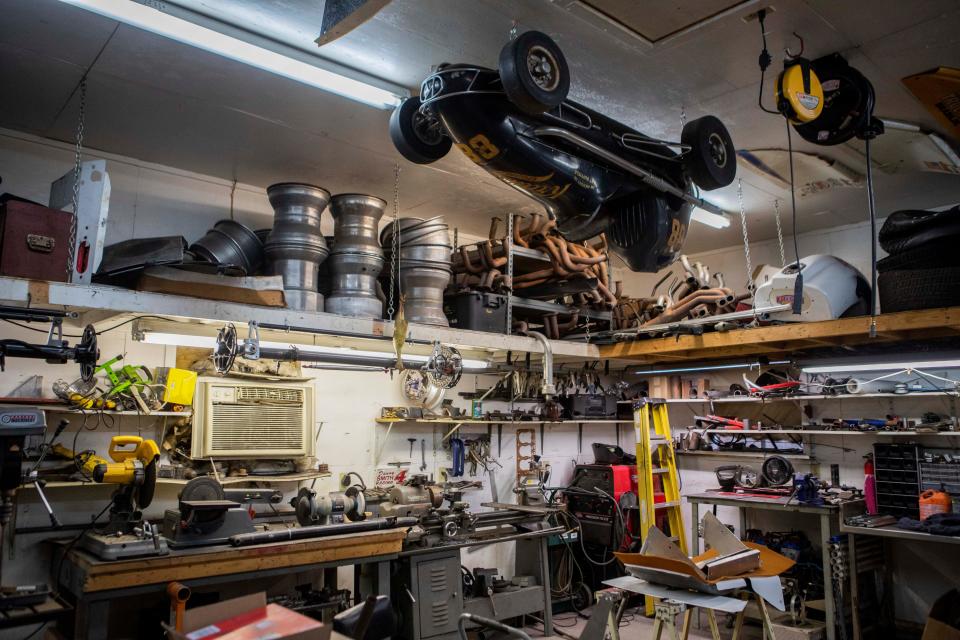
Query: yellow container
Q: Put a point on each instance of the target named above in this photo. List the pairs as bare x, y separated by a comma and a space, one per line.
179, 386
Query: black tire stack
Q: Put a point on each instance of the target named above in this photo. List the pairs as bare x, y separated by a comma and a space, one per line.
922, 270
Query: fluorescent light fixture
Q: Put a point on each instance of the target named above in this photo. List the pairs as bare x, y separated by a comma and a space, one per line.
714, 220
163, 24
707, 368
209, 342
884, 366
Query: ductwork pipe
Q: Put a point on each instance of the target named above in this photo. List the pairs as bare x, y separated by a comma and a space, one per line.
547, 388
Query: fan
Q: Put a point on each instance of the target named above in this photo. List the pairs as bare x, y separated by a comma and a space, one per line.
444, 367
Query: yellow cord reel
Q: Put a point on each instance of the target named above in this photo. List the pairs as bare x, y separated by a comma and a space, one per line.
799, 93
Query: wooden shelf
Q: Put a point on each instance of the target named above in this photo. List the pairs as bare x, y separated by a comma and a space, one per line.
107, 412
788, 337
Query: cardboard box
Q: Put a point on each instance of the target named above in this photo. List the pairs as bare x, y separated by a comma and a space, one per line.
943, 623
248, 618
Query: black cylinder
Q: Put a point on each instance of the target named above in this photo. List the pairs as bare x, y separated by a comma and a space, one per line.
320, 531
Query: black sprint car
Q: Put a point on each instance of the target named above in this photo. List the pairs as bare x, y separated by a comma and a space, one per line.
592, 173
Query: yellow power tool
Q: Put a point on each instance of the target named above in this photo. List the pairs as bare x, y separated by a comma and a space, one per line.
134, 464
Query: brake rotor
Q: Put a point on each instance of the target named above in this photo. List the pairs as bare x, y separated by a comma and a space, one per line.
87, 353
225, 351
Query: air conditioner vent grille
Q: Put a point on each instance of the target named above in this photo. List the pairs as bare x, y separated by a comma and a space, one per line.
252, 427
269, 394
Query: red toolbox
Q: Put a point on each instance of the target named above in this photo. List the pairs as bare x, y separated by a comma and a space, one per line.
34, 240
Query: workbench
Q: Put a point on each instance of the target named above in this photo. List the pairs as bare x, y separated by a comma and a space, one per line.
97, 585
827, 515
863, 559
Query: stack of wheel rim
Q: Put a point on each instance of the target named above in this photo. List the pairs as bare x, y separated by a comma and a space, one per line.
424, 265
296, 247
357, 258
923, 266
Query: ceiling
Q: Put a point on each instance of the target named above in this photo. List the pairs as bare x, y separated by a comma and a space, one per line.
164, 102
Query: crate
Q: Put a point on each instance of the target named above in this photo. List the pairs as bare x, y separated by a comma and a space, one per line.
477, 311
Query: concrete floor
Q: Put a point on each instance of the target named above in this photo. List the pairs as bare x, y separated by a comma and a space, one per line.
635, 626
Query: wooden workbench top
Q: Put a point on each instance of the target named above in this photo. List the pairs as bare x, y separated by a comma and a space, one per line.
184, 564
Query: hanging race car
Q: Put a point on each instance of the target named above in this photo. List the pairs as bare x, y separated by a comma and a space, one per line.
593, 174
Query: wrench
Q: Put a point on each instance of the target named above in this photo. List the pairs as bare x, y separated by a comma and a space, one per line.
423, 454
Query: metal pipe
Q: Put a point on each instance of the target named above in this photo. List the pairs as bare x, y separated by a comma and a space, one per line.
547, 388
320, 531
645, 176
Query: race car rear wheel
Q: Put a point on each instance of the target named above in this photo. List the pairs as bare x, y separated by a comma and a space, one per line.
712, 159
418, 137
534, 73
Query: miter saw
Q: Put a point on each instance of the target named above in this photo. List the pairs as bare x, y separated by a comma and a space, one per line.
134, 469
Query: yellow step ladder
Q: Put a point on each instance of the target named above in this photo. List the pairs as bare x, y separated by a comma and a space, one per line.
647, 413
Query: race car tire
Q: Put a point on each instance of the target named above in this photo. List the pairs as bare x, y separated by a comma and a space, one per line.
534, 73
907, 229
408, 130
912, 289
936, 253
712, 159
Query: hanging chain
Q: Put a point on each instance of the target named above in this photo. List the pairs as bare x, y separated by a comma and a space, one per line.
746, 240
776, 213
72, 241
683, 117
395, 242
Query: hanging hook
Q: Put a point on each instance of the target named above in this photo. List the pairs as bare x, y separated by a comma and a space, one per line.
791, 54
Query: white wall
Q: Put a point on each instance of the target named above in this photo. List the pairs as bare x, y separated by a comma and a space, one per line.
153, 200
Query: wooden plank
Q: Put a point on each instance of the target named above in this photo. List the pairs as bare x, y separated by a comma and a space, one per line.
912, 325
217, 561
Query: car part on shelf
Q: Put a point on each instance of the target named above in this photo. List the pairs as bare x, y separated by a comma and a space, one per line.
445, 366
296, 246
776, 471
230, 243
134, 469
56, 350
420, 390
356, 259
424, 265
317, 509
831, 289
591, 173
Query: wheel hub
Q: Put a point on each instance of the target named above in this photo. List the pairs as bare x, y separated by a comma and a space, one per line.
543, 68
427, 128
718, 150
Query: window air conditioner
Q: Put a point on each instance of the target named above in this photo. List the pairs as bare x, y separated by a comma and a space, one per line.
252, 419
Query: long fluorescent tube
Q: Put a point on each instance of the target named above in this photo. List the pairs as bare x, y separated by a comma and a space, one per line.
209, 342
884, 366
154, 21
707, 368
714, 220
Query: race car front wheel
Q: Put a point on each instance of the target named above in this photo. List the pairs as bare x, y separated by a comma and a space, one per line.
711, 159
534, 73
419, 137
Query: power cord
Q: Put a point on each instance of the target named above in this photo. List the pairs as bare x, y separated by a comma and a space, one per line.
764, 60
798, 283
